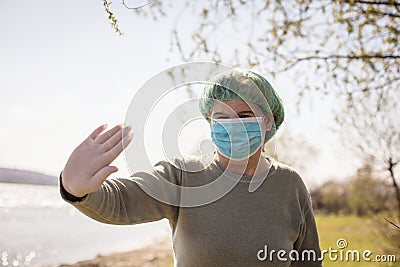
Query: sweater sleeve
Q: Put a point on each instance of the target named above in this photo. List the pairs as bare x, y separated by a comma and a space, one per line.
122, 201
307, 243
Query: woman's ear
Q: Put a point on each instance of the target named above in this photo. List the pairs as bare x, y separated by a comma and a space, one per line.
268, 122
209, 118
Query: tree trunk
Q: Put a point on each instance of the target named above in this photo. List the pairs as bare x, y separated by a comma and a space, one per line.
395, 184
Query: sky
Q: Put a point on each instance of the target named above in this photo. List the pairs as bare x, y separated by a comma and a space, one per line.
64, 72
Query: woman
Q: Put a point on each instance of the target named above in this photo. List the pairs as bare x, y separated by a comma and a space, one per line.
271, 225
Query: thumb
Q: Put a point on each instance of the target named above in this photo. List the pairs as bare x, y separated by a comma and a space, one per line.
102, 175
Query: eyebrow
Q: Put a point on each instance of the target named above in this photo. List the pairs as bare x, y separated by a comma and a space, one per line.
241, 112
246, 112
219, 113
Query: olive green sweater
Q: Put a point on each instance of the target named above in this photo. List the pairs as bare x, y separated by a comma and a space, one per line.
239, 229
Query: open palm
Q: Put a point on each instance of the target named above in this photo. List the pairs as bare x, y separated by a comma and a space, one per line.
89, 164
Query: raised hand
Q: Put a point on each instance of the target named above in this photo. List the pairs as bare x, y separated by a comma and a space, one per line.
89, 164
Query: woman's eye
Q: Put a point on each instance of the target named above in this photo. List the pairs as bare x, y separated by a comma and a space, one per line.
245, 116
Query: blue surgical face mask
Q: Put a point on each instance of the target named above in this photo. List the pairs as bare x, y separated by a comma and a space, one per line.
237, 138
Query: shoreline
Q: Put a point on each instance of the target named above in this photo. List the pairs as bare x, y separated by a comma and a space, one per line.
158, 254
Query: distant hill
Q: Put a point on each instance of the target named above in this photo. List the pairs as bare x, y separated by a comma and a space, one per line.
26, 177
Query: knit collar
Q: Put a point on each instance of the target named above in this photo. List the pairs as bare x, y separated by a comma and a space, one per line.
247, 178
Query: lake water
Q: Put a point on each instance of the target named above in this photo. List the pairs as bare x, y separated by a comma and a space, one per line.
37, 228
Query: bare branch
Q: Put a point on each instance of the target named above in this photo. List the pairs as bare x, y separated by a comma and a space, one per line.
349, 57
386, 3
137, 7
392, 223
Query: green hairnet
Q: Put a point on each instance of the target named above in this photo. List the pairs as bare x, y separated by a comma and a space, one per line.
242, 84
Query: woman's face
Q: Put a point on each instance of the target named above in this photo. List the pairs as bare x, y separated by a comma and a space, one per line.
240, 109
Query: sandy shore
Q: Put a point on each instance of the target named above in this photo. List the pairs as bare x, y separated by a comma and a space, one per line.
159, 255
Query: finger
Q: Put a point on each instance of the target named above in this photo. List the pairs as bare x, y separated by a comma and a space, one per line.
98, 131
105, 136
102, 175
113, 140
117, 149
126, 140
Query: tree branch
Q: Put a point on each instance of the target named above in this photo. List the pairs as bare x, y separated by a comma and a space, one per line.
350, 57
356, 57
378, 87
380, 13
386, 3
137, 7
392, 223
